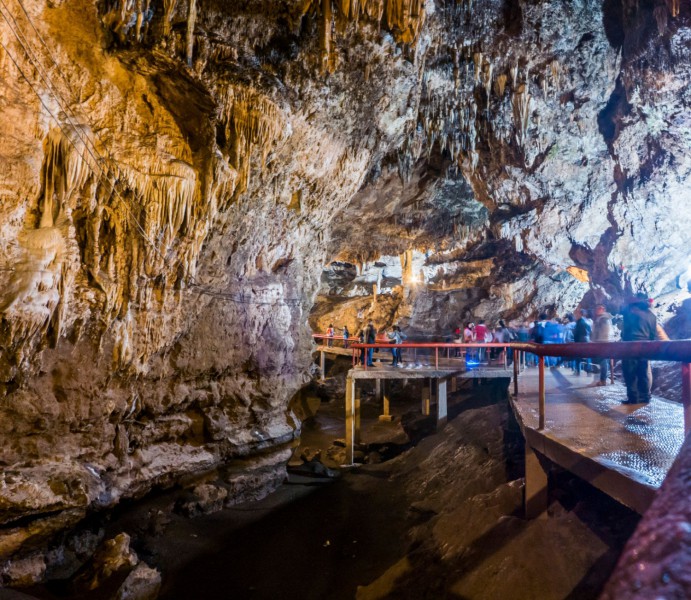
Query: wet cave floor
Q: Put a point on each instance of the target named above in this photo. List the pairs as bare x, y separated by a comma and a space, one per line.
438, 517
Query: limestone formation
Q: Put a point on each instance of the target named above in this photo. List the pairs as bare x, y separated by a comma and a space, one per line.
176, 175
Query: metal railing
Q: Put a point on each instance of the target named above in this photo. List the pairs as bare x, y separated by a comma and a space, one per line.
436, 346
328, 340
670, 351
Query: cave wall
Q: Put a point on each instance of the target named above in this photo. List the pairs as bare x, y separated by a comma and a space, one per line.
177, 173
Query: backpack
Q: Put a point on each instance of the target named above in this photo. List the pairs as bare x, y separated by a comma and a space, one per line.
539, 333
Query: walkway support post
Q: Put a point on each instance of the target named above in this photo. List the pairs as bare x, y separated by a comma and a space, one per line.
686, 395
536, 485
350, 421
442, 410
425, 398
386, 413
357, 437
322, 364
515, 374
541, 393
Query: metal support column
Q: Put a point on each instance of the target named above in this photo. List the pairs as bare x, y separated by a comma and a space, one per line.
536, 485
386, 412
442, 407
686, 395
425, 398
350, 420
541, 393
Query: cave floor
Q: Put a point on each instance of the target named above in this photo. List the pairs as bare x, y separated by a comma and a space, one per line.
439, 517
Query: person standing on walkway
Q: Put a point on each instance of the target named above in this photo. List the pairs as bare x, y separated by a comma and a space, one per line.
363, 351
330, 332
603, 332
396, 337
370, 338
581, 334
469, 338
346, 335
640, 324
480, 335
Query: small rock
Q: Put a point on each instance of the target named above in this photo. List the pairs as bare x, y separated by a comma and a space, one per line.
24, 572
143, 583
203, 499
309, 455
373, 458
113, 557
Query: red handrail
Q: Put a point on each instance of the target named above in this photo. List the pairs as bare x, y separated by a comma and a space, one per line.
671, 351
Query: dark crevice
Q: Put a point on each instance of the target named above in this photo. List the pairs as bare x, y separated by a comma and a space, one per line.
613, 22
609, 118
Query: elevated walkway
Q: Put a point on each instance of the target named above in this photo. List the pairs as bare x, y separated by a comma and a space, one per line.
623, 450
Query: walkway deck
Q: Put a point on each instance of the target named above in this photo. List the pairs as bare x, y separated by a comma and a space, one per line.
624, 450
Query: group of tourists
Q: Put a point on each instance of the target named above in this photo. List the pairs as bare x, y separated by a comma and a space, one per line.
636, 322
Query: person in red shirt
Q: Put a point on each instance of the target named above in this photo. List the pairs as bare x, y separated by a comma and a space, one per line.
480, 335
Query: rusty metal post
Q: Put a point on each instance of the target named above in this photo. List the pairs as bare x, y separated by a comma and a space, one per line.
515, 374
505, 350
611, 370
541, 397
425, 397
350, 420
357, 436
436, 357
686, 395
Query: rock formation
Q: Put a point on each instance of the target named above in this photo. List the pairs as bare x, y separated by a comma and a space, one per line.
177, 174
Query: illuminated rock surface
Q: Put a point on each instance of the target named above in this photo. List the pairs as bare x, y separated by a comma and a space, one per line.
177, 174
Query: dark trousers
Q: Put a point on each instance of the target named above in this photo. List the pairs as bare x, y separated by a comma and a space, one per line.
637, 380
604, 369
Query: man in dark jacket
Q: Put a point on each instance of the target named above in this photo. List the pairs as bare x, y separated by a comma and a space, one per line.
639, 325
581, 334
370, 338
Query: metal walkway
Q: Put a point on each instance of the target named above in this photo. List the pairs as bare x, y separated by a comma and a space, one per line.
624, 450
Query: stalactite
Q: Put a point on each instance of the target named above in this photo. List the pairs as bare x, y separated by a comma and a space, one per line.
514, 76
661, 15
555, 69
250, 121
477, 60
168, 10
521, 102
191, 20
487, 79
500, 85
